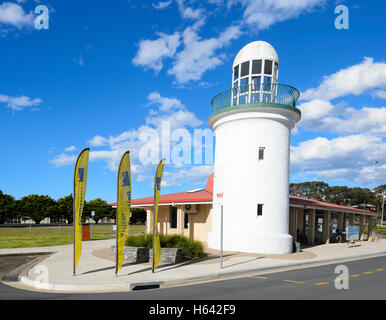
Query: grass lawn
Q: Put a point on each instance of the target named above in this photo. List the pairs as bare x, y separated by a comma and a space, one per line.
23, 237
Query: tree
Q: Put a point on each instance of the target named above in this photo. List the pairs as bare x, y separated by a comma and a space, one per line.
101, 207
64, 208
36, 207
311, 190
7, 207
137, 215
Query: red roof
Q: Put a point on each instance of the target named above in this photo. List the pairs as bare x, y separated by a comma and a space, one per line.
206, 195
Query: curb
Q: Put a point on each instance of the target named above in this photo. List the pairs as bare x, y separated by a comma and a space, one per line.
15, 275
131, 286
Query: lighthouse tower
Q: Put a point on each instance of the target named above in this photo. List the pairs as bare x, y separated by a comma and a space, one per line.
252, 124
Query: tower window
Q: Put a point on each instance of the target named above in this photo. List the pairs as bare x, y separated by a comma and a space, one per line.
268, 67
261, 153
244, 69
173, 217
259, 209
256, 66
235, 73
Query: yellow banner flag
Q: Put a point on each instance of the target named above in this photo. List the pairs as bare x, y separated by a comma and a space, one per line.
80, 182
157, 189
123, 207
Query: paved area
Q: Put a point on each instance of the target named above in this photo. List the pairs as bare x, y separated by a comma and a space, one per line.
366, 279
95, 273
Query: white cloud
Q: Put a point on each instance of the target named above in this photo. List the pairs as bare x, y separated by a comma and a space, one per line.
62, 160
193, 175
348, 158
151, 52
14, 15
70, 148
200, 55
322, 116
165, 104
189, 12
98, 141
265, 13
380, 94
79, 60
19, 103
356, 80
162, 5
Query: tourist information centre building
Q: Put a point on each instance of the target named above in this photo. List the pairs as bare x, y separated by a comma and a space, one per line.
311, 222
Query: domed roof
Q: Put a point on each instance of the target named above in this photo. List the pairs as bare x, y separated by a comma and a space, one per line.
256, 50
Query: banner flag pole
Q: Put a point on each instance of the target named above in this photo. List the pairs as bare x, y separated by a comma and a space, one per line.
123, 208
79, 194
156, 239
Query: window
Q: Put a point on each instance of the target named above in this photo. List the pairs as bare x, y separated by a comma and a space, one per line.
244, 84
268, 67
244, 69
256, 66
186, 221
255, 81
235, 73
276, 71
259, 209
173, 217
261, 153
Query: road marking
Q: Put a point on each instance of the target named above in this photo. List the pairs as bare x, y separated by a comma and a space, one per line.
321, 283
367, 272
340, 279
293, 281
256, 277
379, 269
355, 275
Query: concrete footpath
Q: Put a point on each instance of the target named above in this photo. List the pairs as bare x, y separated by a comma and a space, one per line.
96, 268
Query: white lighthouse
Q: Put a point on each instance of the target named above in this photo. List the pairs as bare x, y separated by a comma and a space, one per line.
252, 123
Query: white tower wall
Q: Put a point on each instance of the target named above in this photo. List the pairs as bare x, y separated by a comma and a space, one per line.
247, 181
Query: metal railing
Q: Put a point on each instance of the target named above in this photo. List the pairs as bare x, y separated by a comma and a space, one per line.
258, 93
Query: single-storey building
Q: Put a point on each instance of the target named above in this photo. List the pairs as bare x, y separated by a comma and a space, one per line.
311, 222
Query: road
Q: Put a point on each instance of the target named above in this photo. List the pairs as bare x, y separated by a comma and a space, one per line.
366, 280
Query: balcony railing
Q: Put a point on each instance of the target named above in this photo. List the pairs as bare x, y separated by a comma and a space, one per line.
256, 95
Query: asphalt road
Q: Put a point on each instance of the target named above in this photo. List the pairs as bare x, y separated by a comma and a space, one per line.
366, 280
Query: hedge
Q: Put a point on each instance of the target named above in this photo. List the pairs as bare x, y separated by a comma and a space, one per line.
190, 248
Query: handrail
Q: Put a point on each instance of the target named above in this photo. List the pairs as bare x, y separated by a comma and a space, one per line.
272, 93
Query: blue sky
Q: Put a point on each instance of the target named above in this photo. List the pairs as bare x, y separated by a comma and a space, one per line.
104, 72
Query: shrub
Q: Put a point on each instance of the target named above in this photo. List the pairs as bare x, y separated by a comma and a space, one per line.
190, 248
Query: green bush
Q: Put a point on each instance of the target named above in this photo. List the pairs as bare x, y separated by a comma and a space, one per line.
190, 248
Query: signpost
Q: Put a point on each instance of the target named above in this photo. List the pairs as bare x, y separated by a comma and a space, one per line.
352, 234
220, 197
92, 223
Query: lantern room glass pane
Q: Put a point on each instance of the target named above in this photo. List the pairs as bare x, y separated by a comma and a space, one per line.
256, 66
244, 69
268, 67
244, 84
235, 73
255, 81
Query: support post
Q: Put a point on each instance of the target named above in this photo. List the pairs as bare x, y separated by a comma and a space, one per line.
312, 226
